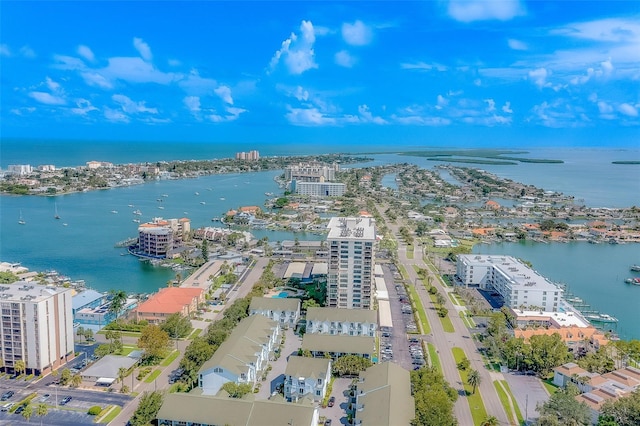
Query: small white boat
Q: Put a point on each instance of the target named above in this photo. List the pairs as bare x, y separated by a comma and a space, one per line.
222, 198
136, 220
635, 268
21, 220
138, 212
65, 224
165, 195
130, 205
197, 193
114, 211
161, 208
202, 202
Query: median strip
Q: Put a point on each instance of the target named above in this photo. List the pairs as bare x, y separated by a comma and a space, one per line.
478, 412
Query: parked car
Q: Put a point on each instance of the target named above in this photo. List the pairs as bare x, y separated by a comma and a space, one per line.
332, 401
44, 397
6, 395
65, 400
7, 406
19, 410
327, 422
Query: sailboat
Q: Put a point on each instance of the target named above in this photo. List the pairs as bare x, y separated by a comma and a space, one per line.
21, 221
57, 216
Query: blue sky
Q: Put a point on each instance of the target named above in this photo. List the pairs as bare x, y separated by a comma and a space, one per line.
507, 73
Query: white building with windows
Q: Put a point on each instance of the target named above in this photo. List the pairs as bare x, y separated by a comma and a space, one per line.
306, 378
36, 327
311, 172
517, 284
336, 321
19, 169
285, 311
351, 262
242, 357
318, 189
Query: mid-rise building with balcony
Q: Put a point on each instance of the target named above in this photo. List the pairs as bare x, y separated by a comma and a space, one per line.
336, 321
306, 378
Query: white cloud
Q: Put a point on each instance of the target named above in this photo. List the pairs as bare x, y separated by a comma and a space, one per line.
115, 115
86, 53
604, 108
192, 103
344, 59
195, 85
423, 66
83, 107
96, 79
52, 85
297, 51
558, 113
628, 110
4, 50
23, 110
482, 10
491, 105
232, 115
142, 48
607, 66
605, 30
506, 108
301, 94
27, 52
357, 34
368, 117
419, 120
135, 70
47, 98
308, 117
517, 44
539, 77
441, 102
131, 107
224, 92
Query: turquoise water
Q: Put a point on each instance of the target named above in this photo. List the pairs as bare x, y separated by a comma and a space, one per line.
593, 272
84, 249
281, 295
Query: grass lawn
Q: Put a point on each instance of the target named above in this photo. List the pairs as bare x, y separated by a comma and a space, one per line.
127, 349
170, 358
468, 320
550, 387
403, 272
151, 377
410, 252
478, 412
195, 333
447, 325
504, 392
110, 415
433, 356
424, 322
454, 299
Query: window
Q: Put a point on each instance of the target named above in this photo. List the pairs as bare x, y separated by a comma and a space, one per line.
317, 393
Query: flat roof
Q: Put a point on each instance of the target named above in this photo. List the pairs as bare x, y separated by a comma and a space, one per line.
84, 298
563, 319
381, 284
351, 228
384, 313
320, 268
107, 366
22, 291
295, 269
520, 276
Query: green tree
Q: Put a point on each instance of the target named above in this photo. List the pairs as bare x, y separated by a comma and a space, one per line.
433, 398
474, 379
565, 409
122, 373
88, 334
623, 411
237, 390
154, 341
177, 326
27, 413
350, 365
117, 302
490, 421
19, 367
65, 377
76, 381
80, 332
41, 411
464, 363
148, 408
547, 352
309, 303
205, 249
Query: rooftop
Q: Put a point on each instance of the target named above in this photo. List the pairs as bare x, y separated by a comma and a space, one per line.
519, 275
387, 396
169, 300
275, 303
351, 228
85, 297
342, 315
29, 292
300, 366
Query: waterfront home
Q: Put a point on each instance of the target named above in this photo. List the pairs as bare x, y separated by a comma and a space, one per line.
242, 357
285, 311
336, 321
383, 396
168, 301
321, 345
180, 409
306, 378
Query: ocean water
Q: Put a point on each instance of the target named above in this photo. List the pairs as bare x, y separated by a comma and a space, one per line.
593, 272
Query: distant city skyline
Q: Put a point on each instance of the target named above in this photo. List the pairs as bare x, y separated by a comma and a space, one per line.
460, 73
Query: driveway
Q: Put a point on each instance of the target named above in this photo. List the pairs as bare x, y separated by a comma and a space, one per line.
337, 413
528, 392
276, 375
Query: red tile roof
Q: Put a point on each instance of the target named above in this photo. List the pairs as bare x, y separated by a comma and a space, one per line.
170, 300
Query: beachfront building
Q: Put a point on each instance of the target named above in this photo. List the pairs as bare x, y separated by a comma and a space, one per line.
19, 169
168, 301
248, 156
335, 346
318, 189
311, 172
36, 327
159, 238
189, 409
349, 280
383, 396
242, 357
517, 284
284, 311
306, 378
336, 321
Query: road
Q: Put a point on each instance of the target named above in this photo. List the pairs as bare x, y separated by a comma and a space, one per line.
240, 290
445, 341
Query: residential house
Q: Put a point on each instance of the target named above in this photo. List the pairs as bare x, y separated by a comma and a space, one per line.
285, 311
306, 378
352, 322
168, 301
336, 346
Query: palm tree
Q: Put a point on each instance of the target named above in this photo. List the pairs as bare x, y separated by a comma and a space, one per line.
41, 411
118, 300
76, 380
27, 412
474, 379
490, 421
19, 367
122, 373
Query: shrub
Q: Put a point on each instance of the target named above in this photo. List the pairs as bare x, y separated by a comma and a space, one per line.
95, 410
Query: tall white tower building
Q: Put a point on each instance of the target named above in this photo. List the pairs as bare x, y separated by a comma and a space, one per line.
351, 262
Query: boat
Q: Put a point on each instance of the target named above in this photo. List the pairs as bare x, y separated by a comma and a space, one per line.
601, 318
136, 220
269, 194
202, 202
161, 208
138, 212
634, 281
21, 220
222, 198
635, 268
215, 219
197, 193
56, 216
130, 205
165, 195
65, 224
114, 211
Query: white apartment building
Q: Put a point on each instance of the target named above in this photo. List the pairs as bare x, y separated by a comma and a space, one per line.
519, 285
306, 378
36, 326
19, 169
350, 322
311, 172
318, 189
351, 262
285, 311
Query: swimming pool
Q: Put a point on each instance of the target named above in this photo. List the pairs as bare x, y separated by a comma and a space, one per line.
281, 295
